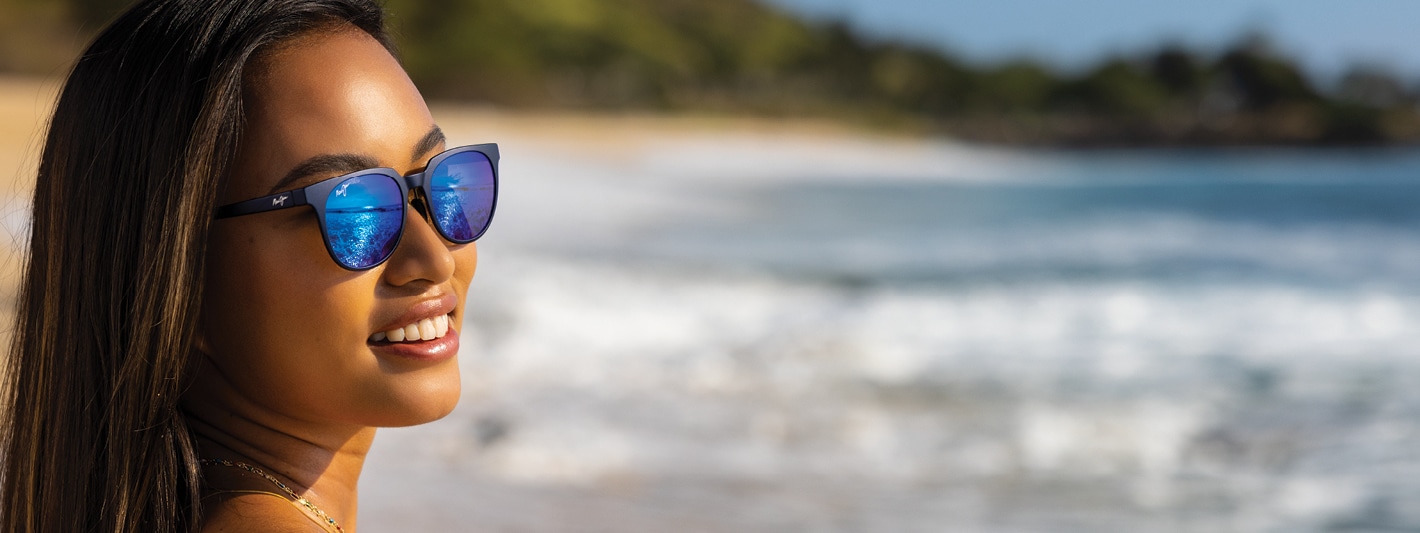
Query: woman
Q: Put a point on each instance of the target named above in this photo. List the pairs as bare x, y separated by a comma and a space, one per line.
226, 293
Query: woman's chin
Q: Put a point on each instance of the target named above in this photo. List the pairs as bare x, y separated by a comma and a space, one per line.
429, 411
409, 400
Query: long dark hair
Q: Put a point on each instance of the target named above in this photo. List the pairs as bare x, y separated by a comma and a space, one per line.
143, 133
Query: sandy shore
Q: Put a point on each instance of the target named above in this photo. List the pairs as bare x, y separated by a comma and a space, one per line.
25, 104
603, 140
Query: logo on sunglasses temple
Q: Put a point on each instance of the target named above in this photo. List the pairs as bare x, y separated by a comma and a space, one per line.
281, 201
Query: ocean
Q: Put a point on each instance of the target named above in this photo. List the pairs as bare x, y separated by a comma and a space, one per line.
728, 333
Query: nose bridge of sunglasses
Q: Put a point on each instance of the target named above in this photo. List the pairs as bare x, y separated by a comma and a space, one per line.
414, 183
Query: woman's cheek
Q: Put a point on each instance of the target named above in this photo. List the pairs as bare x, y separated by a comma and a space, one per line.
269, 318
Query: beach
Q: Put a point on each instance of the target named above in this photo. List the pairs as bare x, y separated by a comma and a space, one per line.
700, 323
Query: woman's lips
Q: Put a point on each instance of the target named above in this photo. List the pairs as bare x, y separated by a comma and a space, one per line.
411, 320
437, 349
424, 329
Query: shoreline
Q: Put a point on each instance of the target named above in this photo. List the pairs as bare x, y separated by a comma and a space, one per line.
25, 102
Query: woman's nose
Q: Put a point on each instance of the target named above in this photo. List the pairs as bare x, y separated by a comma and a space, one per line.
422, 254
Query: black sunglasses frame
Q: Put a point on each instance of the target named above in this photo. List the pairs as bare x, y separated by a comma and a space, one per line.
316, 194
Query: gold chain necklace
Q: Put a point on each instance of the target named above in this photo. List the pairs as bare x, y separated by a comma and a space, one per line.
282, 486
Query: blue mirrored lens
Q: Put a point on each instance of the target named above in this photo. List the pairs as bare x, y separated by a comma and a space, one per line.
363, 218
463, 192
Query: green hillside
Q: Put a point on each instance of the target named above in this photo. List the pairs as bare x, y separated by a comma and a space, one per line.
637, 53
743, 57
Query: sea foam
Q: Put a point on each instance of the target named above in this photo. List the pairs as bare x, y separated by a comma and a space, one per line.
1032, 347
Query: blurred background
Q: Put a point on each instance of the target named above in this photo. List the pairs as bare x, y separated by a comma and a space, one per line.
907, 265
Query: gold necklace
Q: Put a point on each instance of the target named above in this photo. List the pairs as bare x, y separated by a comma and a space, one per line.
282, 486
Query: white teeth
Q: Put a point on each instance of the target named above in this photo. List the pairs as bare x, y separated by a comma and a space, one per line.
426, 329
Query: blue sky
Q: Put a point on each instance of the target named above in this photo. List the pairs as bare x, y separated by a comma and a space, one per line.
1325, 35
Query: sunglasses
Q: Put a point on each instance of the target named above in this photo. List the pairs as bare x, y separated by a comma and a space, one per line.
361, 214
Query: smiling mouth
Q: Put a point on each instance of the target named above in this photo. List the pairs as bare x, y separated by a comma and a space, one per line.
426, 329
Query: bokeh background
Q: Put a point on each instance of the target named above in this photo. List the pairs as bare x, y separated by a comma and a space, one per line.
906, 265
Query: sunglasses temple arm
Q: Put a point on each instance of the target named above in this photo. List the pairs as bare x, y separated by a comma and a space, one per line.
280, 200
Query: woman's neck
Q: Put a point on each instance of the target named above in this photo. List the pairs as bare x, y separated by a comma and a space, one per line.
320, 463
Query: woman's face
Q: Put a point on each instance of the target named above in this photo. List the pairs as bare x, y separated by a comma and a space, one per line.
285, 326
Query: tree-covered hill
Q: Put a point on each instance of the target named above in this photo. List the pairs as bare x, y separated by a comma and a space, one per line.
741, 56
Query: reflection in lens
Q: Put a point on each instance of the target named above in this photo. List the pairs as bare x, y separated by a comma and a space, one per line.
463, 191
362, 220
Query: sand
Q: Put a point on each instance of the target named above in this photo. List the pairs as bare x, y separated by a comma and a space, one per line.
25, 104
614, 139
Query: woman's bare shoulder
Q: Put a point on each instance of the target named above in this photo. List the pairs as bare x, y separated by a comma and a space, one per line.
254, 512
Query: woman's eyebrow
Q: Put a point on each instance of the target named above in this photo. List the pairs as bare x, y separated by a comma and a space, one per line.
330, 165
336, 164
431, 140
